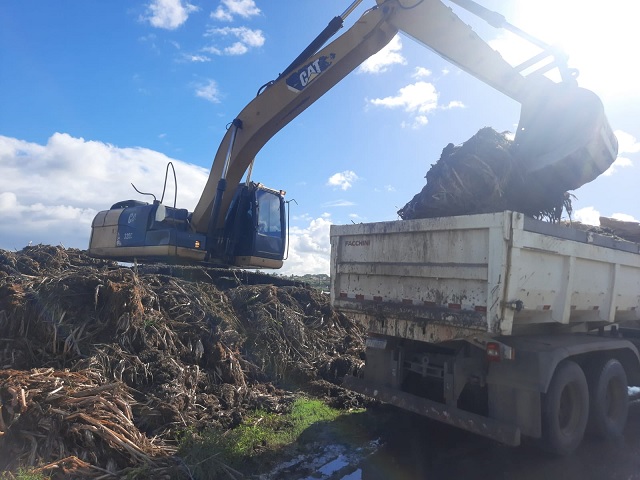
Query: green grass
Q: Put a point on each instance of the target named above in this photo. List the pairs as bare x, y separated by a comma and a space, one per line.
213, 453
23, 474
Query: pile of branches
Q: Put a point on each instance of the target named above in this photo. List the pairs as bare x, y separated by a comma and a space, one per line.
280, 326
79, 419
483, 176
104, 368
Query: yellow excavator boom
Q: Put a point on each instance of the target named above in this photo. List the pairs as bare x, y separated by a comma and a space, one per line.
562, 127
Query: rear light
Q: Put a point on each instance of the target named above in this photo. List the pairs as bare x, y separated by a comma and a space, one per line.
497, 352
493, 352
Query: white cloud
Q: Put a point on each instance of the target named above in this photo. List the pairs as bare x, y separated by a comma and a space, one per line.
187, 57
208, 90
309, 248
624, 217
421, 72
417, 122
228, 9
591, 216
385, 58
453, 104
237, 48
245, 39
386, 188
587, 215
212, 50
627, 143
304, 217
620, 162
51, 192
418, 98
338, 203
168, 14
343, 180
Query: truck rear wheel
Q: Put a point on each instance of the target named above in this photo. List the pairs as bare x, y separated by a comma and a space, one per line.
565, 409
609, 400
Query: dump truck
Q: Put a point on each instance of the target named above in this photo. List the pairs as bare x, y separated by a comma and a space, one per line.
499, 324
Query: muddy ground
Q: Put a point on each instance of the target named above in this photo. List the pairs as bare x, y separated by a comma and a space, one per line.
102, 367
404, 446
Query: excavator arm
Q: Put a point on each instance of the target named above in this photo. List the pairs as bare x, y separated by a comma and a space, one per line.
285, 99
561, 127
562, 134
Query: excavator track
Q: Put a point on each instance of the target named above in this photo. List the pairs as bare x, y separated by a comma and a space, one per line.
221, 277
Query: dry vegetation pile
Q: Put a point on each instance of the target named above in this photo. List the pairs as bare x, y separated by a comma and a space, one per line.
627, 230
103, 368
483, 176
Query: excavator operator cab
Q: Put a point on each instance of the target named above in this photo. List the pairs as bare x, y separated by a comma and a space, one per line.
255, 227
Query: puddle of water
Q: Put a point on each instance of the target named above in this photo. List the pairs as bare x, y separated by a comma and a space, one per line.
330, 462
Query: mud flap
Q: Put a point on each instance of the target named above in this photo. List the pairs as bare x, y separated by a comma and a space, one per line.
487, 427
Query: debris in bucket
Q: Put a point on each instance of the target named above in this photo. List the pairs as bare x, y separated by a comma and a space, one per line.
102, 367
482, 176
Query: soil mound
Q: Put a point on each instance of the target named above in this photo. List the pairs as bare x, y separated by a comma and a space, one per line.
104, 366
483, 176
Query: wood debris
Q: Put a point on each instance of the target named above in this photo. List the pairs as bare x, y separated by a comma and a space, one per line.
623, 229
103, 367
483, 176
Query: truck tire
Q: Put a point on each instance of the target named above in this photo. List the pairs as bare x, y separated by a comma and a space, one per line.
565, 409
608, 400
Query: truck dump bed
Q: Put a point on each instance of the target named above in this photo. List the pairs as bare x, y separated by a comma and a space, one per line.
443, 278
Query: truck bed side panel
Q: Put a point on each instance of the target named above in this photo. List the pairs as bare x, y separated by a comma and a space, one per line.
499, 273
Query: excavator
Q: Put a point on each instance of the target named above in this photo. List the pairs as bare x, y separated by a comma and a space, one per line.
562, 133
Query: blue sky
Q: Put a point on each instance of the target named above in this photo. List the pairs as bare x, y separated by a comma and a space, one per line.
96, 95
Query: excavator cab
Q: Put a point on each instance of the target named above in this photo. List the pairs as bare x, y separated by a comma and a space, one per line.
255, 227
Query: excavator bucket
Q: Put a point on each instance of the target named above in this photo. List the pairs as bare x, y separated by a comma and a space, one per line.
564, 139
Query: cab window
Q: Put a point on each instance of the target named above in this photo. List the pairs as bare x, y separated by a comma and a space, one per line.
269, 220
